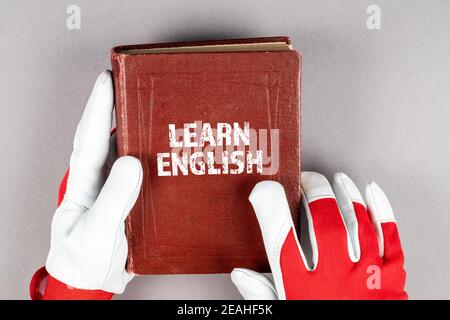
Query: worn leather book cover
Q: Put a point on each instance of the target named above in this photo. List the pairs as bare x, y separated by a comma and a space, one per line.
208, 120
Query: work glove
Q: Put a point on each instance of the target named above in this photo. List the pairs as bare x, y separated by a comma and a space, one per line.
88, 249
356, 250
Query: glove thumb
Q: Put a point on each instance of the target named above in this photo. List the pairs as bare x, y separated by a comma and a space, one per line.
117, 196
253, 285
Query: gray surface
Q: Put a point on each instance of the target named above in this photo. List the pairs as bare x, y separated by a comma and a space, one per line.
375, 105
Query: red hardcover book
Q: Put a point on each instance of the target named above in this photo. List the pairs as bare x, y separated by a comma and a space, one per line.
208, 120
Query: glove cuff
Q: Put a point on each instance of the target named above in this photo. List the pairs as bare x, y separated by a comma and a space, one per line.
57, 290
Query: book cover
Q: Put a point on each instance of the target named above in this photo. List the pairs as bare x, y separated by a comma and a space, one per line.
207, 120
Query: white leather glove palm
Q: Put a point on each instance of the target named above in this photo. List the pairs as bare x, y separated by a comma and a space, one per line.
88, 244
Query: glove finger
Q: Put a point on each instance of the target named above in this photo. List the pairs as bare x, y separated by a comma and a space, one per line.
91, 144
347, 193
362, 236
280, 240
329, 234
253, 285
116, 199
384, 223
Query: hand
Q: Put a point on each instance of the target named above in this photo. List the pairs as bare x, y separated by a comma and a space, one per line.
356, 253
88, 244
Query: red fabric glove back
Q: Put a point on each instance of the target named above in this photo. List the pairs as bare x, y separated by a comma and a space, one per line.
356, 252
336, 276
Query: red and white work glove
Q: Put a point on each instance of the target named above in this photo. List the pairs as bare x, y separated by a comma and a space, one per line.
356, 251
88, 245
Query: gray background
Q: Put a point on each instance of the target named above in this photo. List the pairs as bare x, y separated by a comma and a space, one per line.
375, 105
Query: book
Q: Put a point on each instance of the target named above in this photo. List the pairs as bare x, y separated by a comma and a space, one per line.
207, 120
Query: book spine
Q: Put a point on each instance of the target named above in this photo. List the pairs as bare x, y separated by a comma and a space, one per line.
118, 69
